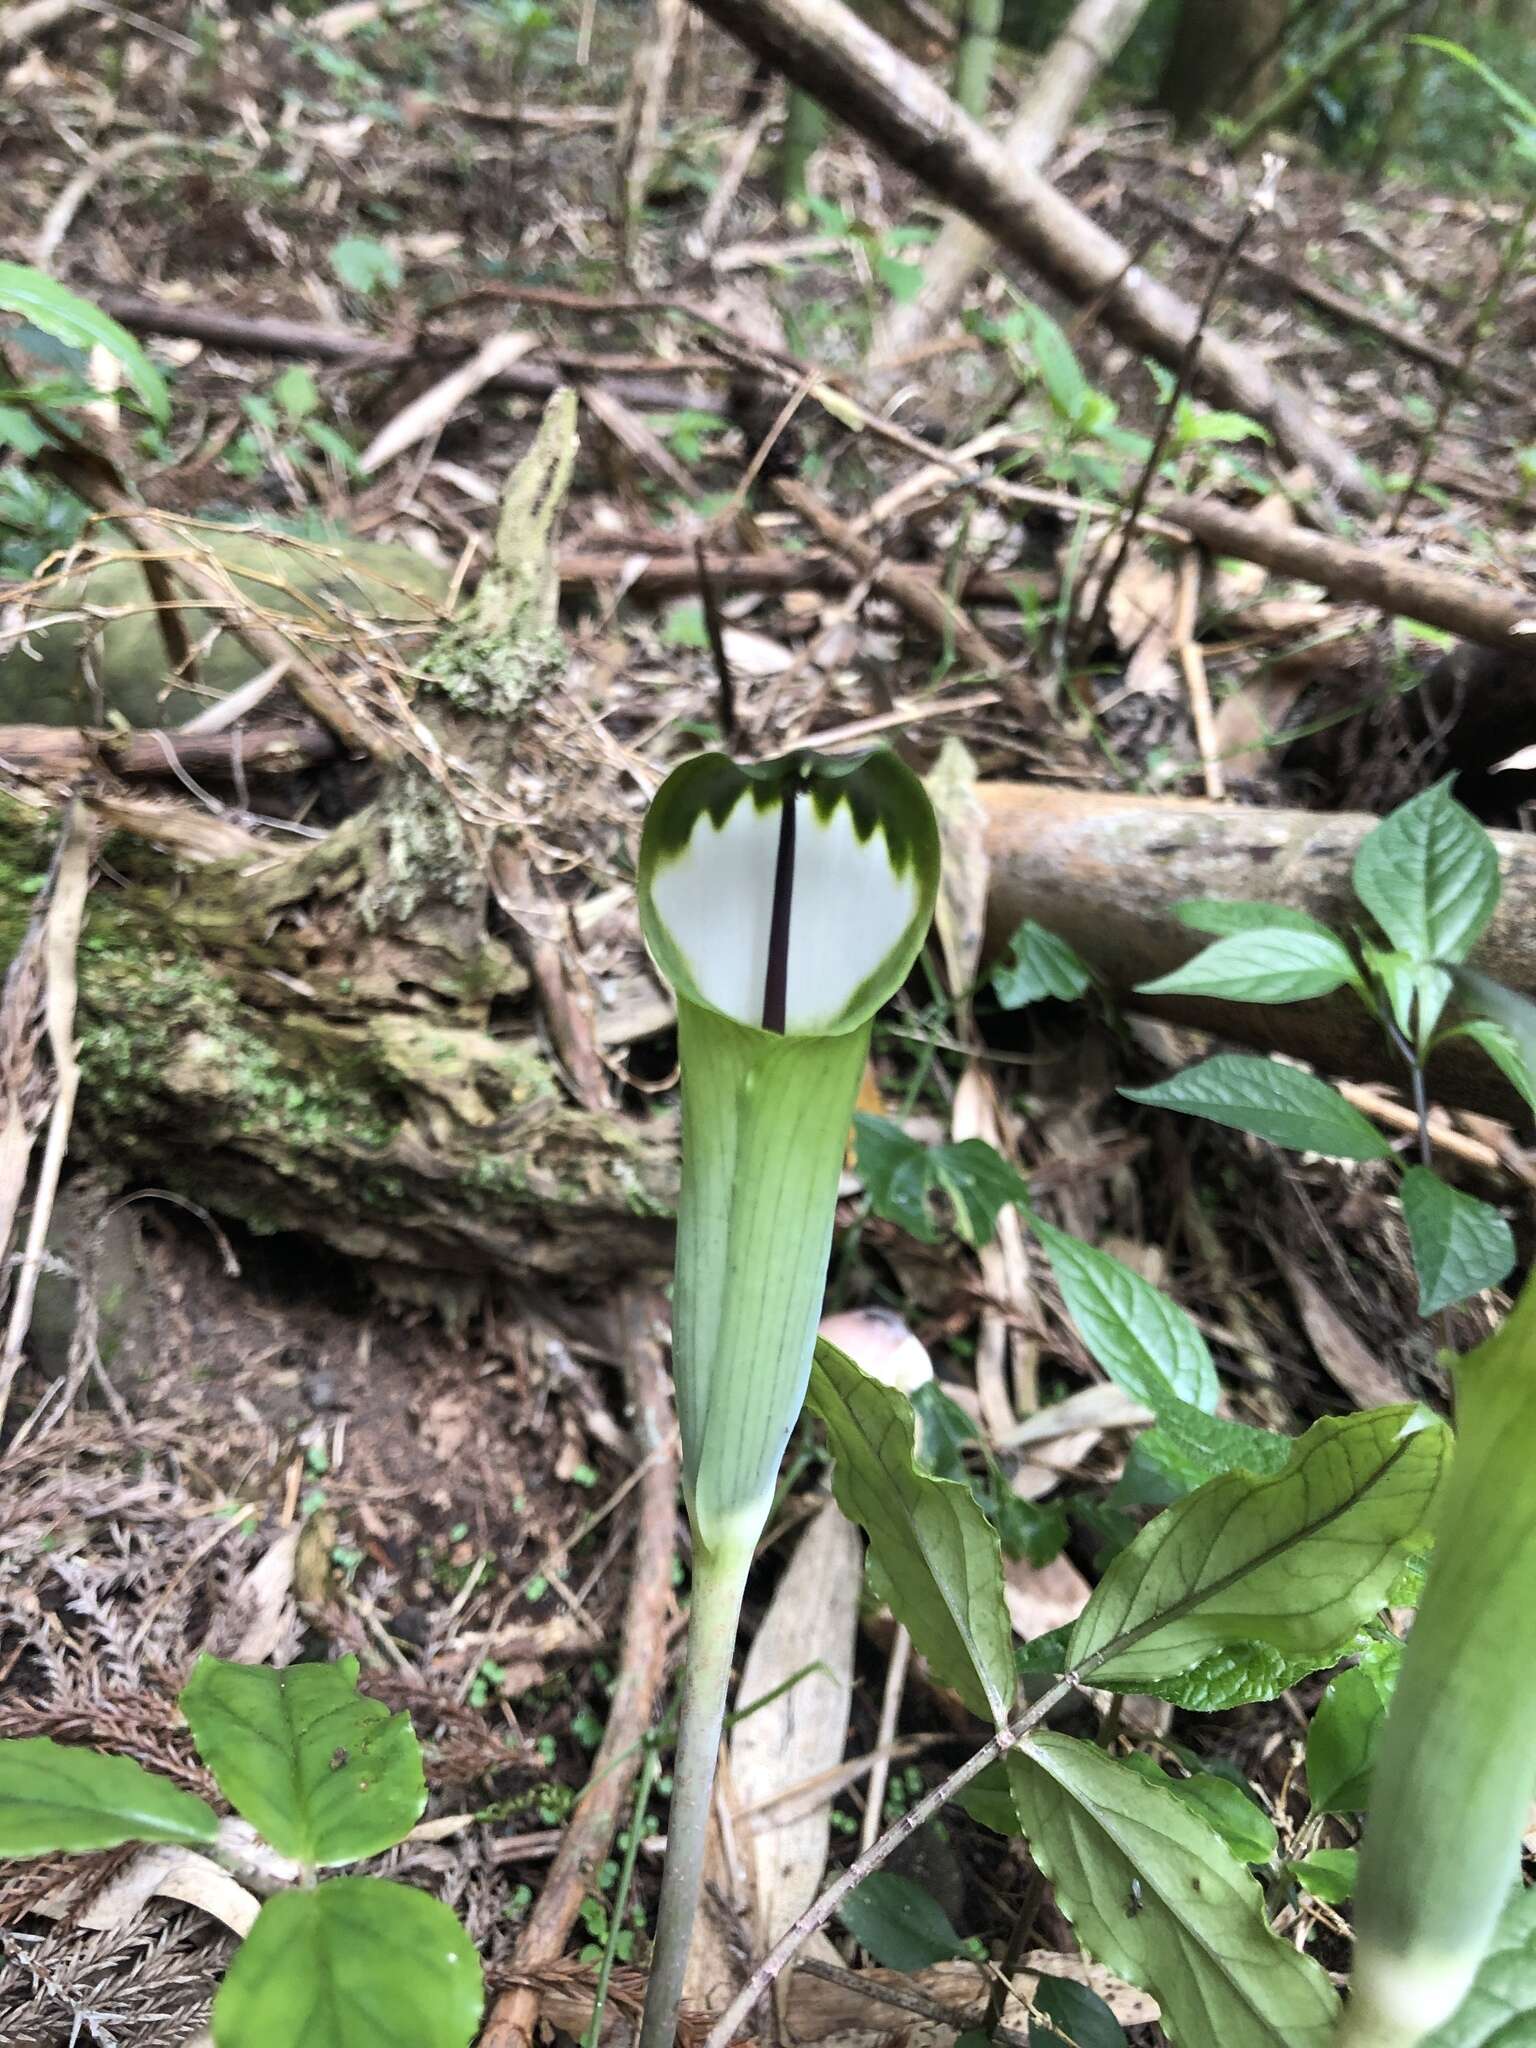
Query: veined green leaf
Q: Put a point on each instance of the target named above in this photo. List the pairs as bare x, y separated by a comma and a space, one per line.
1144, 1341
1346, 1732
1152, 1893
1036, 965
1077, 2013
1500, 2009
1328, 1874
1277, 966
1243, 1826
901, 1176
1291, 1564
1273, 1101
932, 1552
1460, 1245
1429, 875
902, 1926
325, 1775
356, 1963
1191, 1446
1504, 1049
54, 1796
75, 321
1222, 917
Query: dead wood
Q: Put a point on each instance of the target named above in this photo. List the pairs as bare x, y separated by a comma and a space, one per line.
57, 753
660, 575
1105, 872
824, 47
1368, 575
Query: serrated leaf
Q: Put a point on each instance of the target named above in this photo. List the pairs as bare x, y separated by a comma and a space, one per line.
355, 1963
1429, 875
1246, 1829
63, 314
1504, 1049
1287, 1567
1328, 1874
1346, 1732
1190, 1446
1144, 1341
932, 1551
54, 1796
1273, 1101
324, 1775
1152, 1893
1224, 426
1261, 967
1500, 2009
903, 1926
1221, 917
1036, 965
1460, 1245
902, 1177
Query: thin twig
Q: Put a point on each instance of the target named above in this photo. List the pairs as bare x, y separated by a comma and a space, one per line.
821, 1910
1262, 202
714, 626
1018, 1941
866, 1985
890, 1707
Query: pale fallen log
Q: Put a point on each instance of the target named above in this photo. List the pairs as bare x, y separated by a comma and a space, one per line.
823, 46
1105, 872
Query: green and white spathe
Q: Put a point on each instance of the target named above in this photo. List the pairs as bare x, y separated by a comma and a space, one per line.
784, 901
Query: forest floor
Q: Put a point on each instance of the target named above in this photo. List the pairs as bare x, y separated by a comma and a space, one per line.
442, 1485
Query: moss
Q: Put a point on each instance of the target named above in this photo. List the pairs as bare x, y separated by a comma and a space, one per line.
491, 676
426, 855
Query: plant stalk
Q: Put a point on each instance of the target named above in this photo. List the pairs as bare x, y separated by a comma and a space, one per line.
805, 130
719, 1581
977, 55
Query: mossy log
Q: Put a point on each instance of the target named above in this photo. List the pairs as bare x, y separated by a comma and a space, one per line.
334, 1039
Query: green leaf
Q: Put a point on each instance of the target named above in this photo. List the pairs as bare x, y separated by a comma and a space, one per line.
1504, 1049
1078, 2013
1036, 965
1273, 1101
1460, 1245
365, 266
1153, 1894
901, 1177
1144, 1341
1328, 1874
1065, 385
55, 1797
296, 392
1190, 1446
902, 1926
1242, 1824
1261, 967
1220, 917
1223, 426
1429, 876
1346, 1732
1523, 109
325, 1775
76, 322
1500, 2009
1511, 1042
683, 625
932, 1552
1289, 1565
20, 431
1416, 990
355, 1963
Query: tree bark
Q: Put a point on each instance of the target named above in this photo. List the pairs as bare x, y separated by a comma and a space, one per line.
1221, 58
823, 46
1089, 41
1105, 872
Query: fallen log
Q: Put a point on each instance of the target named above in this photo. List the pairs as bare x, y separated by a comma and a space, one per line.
1105, 872
1375, 575
824, 47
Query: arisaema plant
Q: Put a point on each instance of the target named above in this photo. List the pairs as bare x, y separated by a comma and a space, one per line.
784, 901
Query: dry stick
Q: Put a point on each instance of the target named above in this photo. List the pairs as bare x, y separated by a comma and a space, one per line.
1367, 575
918, 595
1451, 388
64, 753
61, 941
663, 575
1196, 683
1018, 1939
865, 1984
589, 1833
885, 1738
714, 626
859, 76
1261, 202
821, 1910
640, 121
1084, 46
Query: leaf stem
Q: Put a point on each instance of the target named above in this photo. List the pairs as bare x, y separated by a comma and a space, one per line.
719, 1581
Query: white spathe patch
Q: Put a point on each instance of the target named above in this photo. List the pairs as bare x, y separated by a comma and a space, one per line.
848, 911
